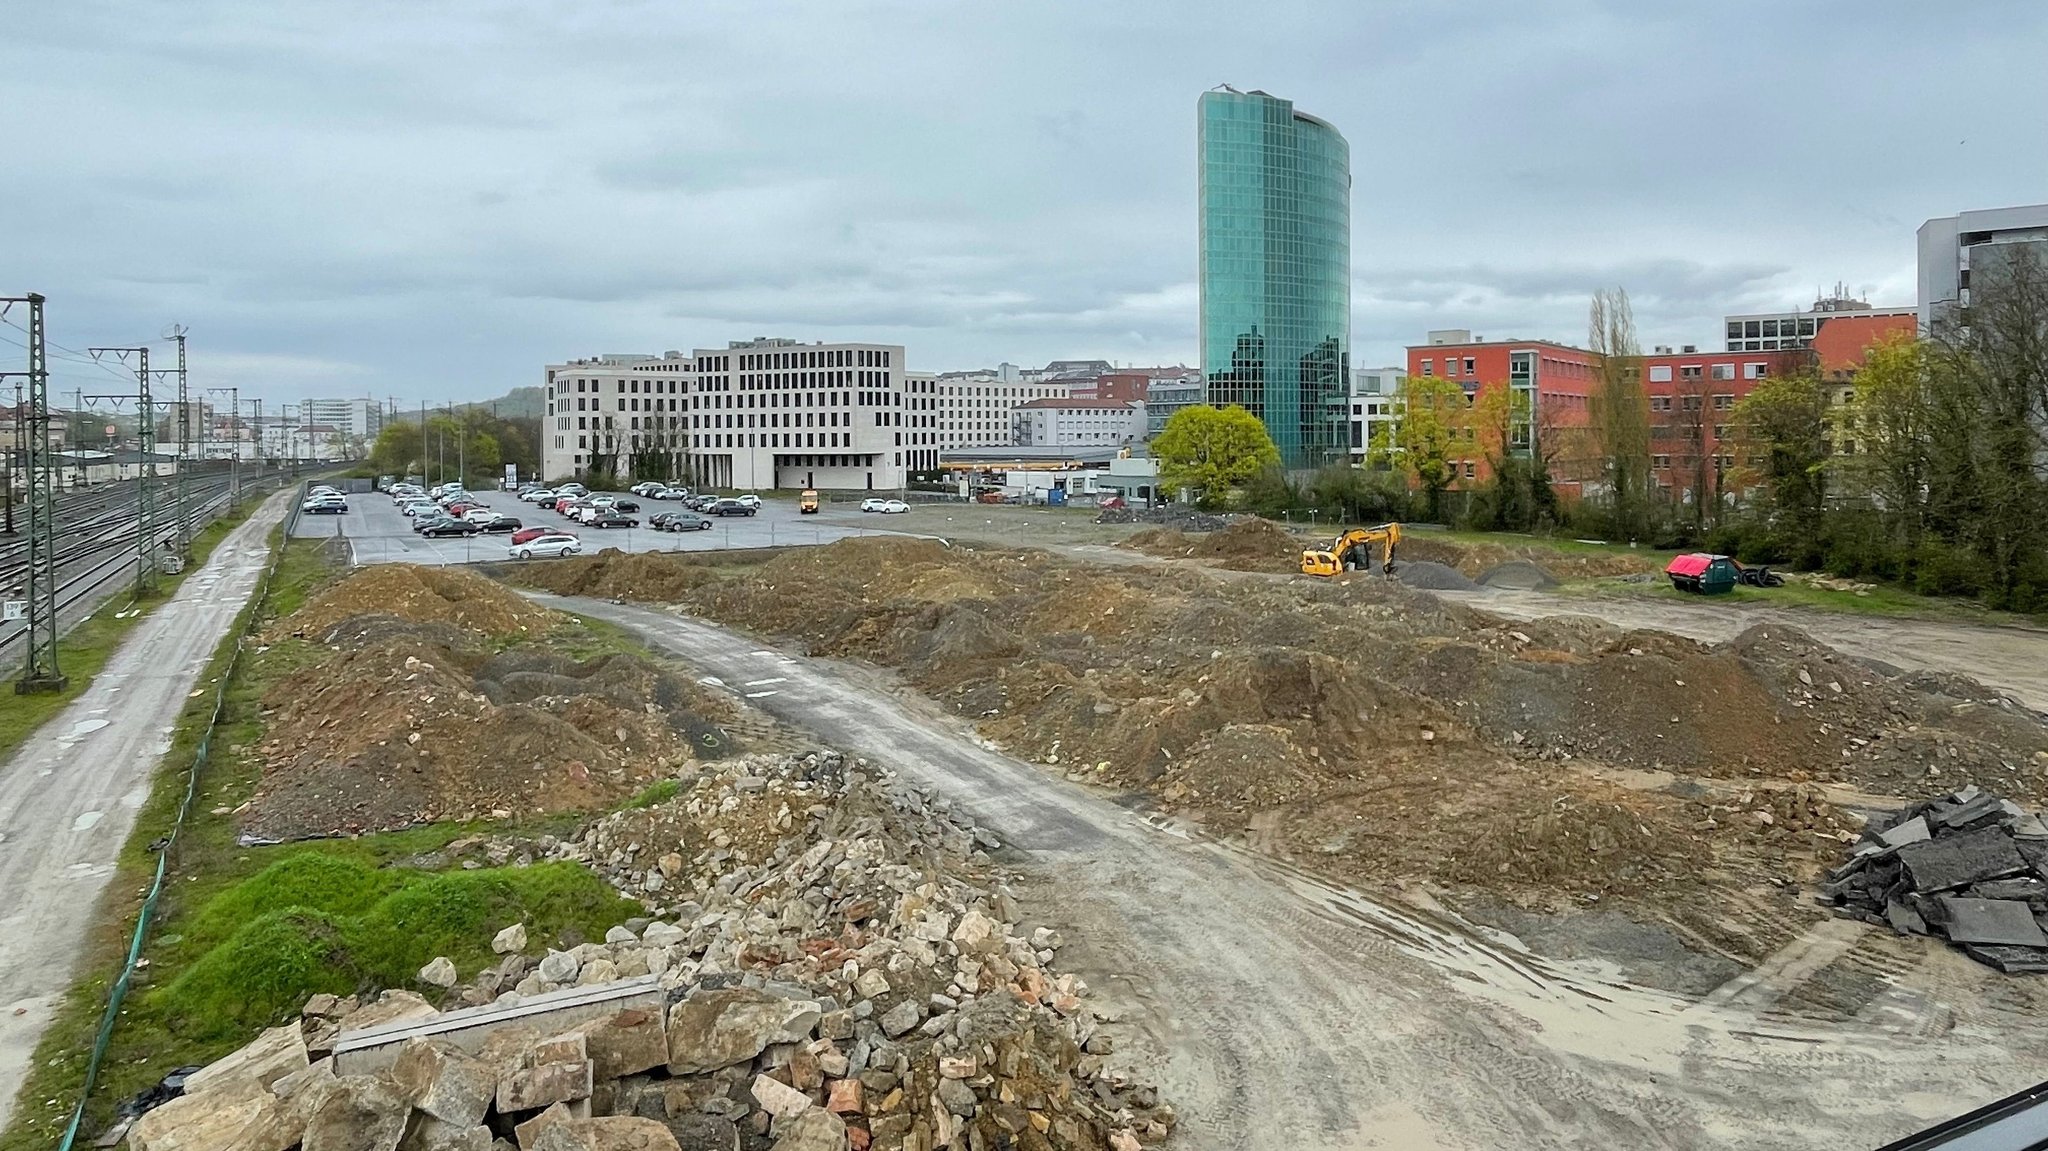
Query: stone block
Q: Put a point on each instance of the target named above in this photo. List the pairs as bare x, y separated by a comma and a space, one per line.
270, 1057
444, 1082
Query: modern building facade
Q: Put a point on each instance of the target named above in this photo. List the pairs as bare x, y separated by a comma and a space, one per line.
1953, 249
602, 411
356, 418
1375, 404
973, 407
1553, 383
1781, 331
1077, 424
1167, 394
1275, 269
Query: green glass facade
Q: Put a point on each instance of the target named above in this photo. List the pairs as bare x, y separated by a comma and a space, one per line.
1276, 270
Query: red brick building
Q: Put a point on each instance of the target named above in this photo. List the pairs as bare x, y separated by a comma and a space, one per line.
1124, 387
1558, 379
1692, 398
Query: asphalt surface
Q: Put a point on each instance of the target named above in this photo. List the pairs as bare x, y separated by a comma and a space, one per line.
1284, 1013
378, 533
68, 797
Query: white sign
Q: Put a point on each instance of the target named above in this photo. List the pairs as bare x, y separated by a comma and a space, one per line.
511, 475
14, 609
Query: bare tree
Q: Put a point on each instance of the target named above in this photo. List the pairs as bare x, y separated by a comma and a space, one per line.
1620, 414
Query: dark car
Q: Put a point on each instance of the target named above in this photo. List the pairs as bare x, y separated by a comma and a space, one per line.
731, 508
501, 524
625, 506
614, 520
450, 527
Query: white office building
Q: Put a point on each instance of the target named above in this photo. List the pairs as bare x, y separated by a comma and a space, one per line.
1071, 423
762, 413
357, 419
1375, 403
1791, 331
972, 409
1952, 248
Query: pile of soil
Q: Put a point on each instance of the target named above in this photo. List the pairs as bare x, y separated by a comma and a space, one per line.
419, 595
402, 720
1250, 544
1431, 575
1476, 558
621, 574
1330, 719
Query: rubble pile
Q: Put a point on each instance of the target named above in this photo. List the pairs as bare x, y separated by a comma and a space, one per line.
421, 594
829, 962
1248, 544
1968, 867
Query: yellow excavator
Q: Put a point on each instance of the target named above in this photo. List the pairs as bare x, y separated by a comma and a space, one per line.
1352, 551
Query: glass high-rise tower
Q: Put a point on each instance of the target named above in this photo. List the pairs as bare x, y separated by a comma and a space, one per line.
1276, 270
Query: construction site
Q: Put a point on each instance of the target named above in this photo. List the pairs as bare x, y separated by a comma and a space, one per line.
1127, 841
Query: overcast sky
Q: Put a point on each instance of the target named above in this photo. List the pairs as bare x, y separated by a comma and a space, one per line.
433, 198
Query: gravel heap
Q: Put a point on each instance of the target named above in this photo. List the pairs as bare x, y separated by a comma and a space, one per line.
1178, 516
1968, 867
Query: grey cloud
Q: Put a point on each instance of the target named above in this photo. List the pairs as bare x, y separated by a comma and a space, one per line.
443, 197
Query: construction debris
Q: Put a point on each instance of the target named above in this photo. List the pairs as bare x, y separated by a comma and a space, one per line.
839, 965
1969, 867
1180, 517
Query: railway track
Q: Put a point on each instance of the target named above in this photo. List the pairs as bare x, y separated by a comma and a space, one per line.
98, 537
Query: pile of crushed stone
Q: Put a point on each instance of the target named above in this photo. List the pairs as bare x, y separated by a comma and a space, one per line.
1430, 575
1517, 575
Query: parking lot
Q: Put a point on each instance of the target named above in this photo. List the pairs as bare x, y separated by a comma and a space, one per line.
377, 533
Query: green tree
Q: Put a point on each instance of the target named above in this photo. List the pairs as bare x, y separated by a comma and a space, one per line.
1783, 432
1212, 451
1427, 438
1620, 414
1517, 495
1890, 421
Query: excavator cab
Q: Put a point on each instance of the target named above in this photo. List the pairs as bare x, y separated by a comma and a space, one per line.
1352, 551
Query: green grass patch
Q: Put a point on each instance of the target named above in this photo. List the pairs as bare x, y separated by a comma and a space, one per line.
660, 791
1882, 600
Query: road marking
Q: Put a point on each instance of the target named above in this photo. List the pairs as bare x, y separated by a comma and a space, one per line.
766, 682
759, 694
770, 654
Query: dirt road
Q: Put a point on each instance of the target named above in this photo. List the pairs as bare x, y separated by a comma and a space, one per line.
1284, 1013
2014, 660
68, 798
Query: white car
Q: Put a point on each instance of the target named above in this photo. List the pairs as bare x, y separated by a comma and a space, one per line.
893, 507
872, 504
669, 494
553, 545
645, 489
572, 490
750, 500
479, 515
415, 507
537, 495
588, 512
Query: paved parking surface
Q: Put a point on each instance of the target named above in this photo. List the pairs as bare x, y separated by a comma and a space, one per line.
377, 533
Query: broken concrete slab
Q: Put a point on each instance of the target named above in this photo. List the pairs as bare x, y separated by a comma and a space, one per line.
1913, 830
1952, 861
237, 1116
2010, 960
2006, 922
1904, 919
544, 1085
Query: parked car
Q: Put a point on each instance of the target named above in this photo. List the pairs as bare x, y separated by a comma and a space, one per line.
451, 527
498, 524
588, 513
872, 504
669, 494
555, 544
751, 500
646, 488
527, 535
893, 507
537, 495
701, 503
325, 507
625, 505
417, 507
681, 522
568, 504
573, 490
731, 508
613, 520
479, 515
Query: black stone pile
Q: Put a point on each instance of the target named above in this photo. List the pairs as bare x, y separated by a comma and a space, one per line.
1968, 867
1178, 516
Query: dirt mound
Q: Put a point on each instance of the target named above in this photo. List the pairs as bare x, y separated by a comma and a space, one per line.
1431, 575
1562, 560
420, 595
1327, 718
1517, 575
1250, 544
613, 574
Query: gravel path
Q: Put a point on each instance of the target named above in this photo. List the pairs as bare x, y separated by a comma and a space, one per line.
69, 796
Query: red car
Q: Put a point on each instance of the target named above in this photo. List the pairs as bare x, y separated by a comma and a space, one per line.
525, 534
